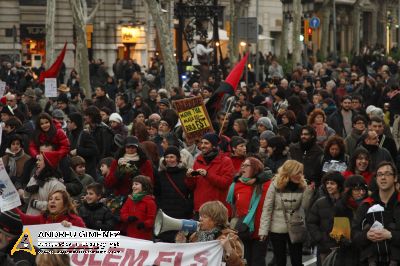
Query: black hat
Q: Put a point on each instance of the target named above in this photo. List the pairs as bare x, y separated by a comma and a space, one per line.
237, 140
10, 223
173, 150
62, 98
334, 176
213, 138
131, 141
7, 110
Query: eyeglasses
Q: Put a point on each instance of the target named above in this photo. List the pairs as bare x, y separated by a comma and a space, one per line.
245, 165
386, 174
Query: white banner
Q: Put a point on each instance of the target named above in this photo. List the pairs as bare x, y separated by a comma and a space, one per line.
133, 252
9, 195
50, 87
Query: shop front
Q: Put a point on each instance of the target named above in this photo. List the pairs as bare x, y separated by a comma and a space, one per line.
33, 44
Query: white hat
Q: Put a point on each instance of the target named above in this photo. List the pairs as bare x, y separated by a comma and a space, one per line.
116, 118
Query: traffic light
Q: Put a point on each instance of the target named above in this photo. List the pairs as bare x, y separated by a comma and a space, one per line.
309, 34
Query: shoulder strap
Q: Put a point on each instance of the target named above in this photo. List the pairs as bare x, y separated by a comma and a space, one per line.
174, 185
284, 210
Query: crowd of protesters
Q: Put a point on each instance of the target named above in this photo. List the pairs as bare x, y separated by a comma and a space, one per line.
320, 142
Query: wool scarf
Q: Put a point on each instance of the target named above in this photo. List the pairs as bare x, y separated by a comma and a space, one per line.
12, 160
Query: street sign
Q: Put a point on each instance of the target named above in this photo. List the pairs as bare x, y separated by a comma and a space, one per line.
247, 29
314, 22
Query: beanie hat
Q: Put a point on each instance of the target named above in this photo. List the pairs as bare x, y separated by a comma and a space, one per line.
58, 113
10, 224
7, 110
116, 118
52, 158
62, 98
266, 122
355, 181
131, 141
3, 100
236, 140
213, 138
334, 176
164, 101
77, 119
173, 150
267, 135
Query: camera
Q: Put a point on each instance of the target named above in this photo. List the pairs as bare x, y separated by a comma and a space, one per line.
194, 173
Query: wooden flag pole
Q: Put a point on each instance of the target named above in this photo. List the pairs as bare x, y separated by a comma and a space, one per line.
226, 115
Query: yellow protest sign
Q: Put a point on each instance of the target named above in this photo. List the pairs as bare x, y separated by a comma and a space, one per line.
194, 117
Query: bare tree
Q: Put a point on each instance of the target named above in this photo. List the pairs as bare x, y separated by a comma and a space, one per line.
50, 22
80, 19
284, 39
297, 10
237, 10
163, 26
326, 13
356, 26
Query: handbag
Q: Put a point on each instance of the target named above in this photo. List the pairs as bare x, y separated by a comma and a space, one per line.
296, 224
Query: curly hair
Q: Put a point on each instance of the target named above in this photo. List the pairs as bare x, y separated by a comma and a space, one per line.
313, 115
332, 140
352, 163
288, 169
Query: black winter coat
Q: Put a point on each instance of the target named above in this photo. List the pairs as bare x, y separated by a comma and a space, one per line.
86, 147
335, 121
97, 216
348, 253
311, 160
104, 138
168, 199
104, 101
391, 221
127, 113
320, 223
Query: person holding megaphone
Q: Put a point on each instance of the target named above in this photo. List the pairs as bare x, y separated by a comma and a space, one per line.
214, 225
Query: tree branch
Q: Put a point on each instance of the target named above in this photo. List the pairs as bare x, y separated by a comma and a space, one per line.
94, 10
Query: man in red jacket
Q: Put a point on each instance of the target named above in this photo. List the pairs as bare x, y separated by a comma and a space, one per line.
212, 173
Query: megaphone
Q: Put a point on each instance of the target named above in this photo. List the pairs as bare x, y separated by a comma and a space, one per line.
165, 223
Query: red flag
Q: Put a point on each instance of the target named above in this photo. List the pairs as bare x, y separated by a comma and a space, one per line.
52, 72
227, 87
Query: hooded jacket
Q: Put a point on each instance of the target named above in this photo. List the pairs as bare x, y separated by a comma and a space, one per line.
272, 219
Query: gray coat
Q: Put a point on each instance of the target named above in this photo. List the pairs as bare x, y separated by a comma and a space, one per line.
272, 219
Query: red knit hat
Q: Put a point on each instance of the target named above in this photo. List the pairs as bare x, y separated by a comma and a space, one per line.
52, 158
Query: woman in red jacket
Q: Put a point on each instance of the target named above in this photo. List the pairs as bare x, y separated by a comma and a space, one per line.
139, 210
130, 162
60, 209
48, 131
244, 194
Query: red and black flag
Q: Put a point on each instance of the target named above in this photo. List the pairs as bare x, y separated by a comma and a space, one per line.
228, 86
52, 72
